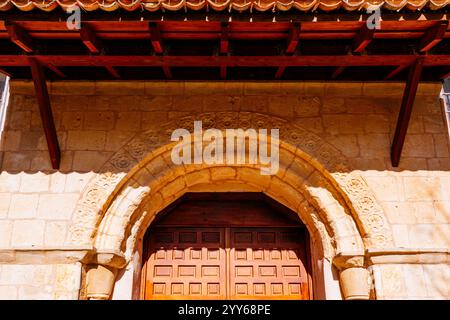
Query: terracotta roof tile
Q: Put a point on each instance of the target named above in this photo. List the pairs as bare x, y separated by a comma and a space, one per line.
223, 5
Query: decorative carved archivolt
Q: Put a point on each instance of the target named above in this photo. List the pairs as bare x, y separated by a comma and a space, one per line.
119, 171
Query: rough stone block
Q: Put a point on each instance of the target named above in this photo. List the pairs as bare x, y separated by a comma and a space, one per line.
86, 140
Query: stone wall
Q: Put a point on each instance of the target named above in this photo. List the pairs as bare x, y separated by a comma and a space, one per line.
40, 281
95, 119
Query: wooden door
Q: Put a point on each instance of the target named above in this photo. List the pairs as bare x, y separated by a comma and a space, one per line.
267, 263
186, 263
196, 252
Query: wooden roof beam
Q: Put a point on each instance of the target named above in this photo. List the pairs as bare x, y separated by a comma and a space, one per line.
280, 72
20, 37
362, 39
337, 72
223, 71
6, 73
293, 37
112, 71
230, 61
445, 76
155, 37
167, 71
396, 71
404, 116
224, 43
45, 110
56, 70
90, 40
433, 36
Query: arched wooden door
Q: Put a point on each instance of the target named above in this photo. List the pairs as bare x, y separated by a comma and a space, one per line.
226, 246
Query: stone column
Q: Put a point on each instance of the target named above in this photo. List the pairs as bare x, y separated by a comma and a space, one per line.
353, 276
101, 275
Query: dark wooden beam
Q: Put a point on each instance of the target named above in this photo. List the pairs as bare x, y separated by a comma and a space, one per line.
56, 70
337, 72
224, 38
113, 72
280, 72
6, 73
20, 37
230, 61
90, 40
362, 39
155, 37
167, 71
396, 71
445, 76
406, 108
293, 38
45, 110
433, 36
223, 71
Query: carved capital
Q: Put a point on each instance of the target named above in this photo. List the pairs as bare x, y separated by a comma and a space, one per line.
345, 260
355, 283
111, 259
100, 282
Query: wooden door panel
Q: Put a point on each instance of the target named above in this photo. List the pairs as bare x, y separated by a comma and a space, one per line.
186, 263
226, 248
267, 263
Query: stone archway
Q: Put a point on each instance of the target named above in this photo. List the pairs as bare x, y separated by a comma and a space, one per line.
314, 180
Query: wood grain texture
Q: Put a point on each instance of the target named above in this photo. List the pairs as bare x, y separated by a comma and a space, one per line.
225, 249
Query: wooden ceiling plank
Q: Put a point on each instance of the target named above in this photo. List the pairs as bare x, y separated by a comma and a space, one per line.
293, 37
20, 37
362, 39
406, 108
90, 39
433, 36
45, 111
155, 38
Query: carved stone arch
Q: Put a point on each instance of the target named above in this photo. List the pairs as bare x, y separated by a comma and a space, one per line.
314, 180
332, 167
297, 185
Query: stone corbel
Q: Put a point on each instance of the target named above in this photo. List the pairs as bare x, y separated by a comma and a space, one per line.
353, 276
101, 274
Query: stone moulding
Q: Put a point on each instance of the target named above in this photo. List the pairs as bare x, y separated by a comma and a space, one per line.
68, 255
104, 190
46, 255
342, 260
408, 256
